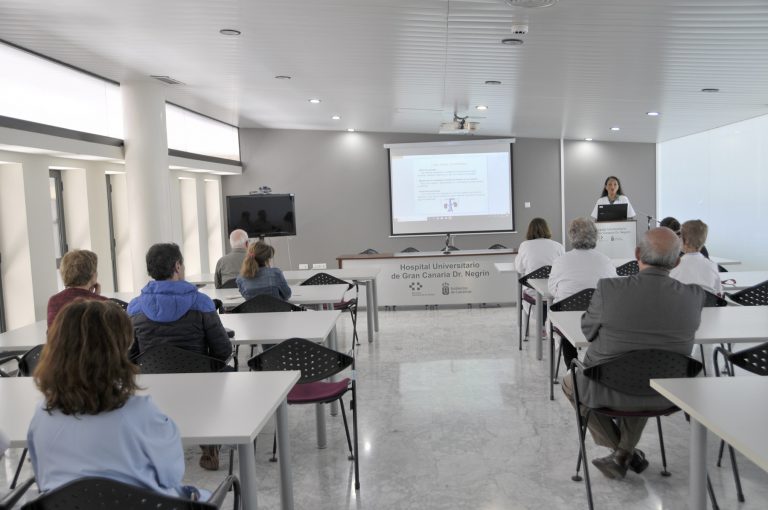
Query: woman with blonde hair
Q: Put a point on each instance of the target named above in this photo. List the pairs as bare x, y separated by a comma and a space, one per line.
258, 277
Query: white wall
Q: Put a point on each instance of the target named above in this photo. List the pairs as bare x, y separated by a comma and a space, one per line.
721, 177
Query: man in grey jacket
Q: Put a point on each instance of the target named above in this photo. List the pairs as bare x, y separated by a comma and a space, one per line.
228, 266
649, 310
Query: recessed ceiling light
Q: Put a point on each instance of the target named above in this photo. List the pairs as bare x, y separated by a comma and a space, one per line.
282, 77
710, 90
481, 107
351, 130
336, 117
615, 128
229, 31
652, 114
314, 101
492, 82
587, 139
512, 42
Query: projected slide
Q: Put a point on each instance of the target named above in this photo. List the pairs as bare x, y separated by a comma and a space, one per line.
451, 189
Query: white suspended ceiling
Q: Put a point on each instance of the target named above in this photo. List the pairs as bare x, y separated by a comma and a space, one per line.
406, 66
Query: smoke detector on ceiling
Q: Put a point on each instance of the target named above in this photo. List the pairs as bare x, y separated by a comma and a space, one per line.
519, 29
532, 4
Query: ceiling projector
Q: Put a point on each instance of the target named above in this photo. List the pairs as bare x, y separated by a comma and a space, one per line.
459, 126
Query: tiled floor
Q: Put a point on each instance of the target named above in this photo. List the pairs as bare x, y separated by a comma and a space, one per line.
453, 416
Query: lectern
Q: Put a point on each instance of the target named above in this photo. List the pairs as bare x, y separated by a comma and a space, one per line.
617, 239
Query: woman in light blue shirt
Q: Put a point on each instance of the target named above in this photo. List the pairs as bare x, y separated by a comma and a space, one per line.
257, 277
90, 422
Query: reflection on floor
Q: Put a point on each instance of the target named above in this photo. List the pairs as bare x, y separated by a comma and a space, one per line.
453, 416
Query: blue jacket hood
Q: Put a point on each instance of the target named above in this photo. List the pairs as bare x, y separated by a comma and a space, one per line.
169, 300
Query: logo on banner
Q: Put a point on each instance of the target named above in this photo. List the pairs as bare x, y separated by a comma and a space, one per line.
446, 289
415, 286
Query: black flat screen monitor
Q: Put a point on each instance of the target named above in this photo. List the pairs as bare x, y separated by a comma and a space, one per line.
612, 212
262, 215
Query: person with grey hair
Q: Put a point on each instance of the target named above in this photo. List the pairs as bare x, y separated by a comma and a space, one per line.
228, 266
695, 267
648, 310
578, 269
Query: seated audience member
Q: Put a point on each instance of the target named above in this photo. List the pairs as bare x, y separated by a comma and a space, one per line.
694, 267
578, 269
257, 277
648, 310
78, 271
91, 422
228, 266
671, 223
172, 311
537, 250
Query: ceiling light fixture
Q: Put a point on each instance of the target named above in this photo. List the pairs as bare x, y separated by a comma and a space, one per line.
615, 128
314, 101
481, 107
587, 139
531, 4
351, 130
492, 82
512, 42
710, 90
230, 32
336, 117
282, 77
652, 114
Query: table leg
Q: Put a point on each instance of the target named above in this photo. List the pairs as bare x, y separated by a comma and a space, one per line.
369, 304
697, 487
333, 343
551, 363
539, 321
247, 461
375, 298
519, 310
284, 451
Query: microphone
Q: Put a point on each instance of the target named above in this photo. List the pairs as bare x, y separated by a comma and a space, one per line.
650, 219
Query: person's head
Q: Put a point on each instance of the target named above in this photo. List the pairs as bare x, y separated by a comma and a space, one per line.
259, 254
538, 229
84, 367
164, 262
659, 247
238, 239
612, 187
78, 268
583, 234
671, 223
694, 234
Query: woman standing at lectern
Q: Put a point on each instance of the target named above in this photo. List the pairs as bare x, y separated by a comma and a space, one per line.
613, 194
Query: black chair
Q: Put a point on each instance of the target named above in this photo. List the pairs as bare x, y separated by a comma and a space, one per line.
629, 373
349, 305
27, 364
710, 301
756, 295
229, 284
92, 493
316, 362
578, 302
755, 361
264, 303
119, 302
497, 246
369, 251
628, 269
542, 272
410, 249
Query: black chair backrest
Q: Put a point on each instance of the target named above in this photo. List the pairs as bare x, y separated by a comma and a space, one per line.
369, 251
93, 493
752, 296
119, 302
542, 272
754, 359
264, 303
497, 246
630, 373
326, 279
229, 284
316, 362
410, 249
628, 269
578, 302
28, 361
167, 359
712, 300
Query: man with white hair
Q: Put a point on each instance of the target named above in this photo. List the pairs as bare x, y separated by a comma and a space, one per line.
228, 266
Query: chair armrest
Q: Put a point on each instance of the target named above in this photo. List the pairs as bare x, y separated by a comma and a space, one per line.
577, 363
15, 495
217, 497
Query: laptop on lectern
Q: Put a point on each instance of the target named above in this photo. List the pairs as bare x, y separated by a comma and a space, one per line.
612, 212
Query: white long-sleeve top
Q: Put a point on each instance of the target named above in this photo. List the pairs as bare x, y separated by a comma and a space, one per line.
620, 199
534, 254
577, 270
696, 268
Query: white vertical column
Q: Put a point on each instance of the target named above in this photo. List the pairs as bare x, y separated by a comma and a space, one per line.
147, 174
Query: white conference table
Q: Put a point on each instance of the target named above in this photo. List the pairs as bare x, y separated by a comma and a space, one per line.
365, 275
744, 279
509, 267
25, 337
723, 324
215, 408
731, 407
717, 260
201, 279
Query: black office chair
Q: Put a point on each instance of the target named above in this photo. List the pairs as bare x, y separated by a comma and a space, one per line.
349, 305
578, 302
628, 269
542, 272
497, 246
316, 362
755, 361
264, 303
410, 249
629, 373
229, 284
757, 295
119, 302
710, 301
91, 493
27, 364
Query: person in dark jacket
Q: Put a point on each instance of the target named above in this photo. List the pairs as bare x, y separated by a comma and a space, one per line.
172, 311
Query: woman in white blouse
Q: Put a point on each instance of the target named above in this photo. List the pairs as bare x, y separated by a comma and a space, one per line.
613, 194
538, 250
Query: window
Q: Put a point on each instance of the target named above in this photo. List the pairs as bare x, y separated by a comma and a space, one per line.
57, 215
197, 134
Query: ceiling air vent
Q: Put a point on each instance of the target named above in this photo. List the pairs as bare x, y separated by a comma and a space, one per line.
166, 79
530, 3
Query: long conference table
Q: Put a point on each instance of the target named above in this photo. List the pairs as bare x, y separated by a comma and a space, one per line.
217, 408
